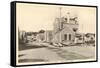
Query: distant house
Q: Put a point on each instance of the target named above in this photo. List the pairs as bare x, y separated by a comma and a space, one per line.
79, 38
89, 38
65, 29
48, 36
31, 36
85, 38
40, 36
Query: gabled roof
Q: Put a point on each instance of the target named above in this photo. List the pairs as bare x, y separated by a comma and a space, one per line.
65, 29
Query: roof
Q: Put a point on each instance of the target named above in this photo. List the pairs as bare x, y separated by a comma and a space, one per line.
67, 29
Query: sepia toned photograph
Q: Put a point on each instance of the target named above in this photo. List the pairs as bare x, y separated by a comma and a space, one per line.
50, 33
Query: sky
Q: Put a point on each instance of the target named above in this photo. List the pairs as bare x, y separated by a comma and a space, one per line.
34, 17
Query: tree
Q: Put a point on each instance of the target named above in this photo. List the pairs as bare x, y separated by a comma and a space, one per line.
87, 35
75, 29
41, 31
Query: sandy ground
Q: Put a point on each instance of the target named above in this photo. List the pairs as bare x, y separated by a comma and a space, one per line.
56, 53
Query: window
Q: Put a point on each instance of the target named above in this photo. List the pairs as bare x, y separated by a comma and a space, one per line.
65, 37
69, 36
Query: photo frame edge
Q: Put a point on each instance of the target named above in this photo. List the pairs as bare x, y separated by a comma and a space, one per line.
13, 33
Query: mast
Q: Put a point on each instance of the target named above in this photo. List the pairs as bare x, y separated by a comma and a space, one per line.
68, 17
60, 24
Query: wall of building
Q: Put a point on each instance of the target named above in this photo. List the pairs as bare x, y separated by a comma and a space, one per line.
48, 36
